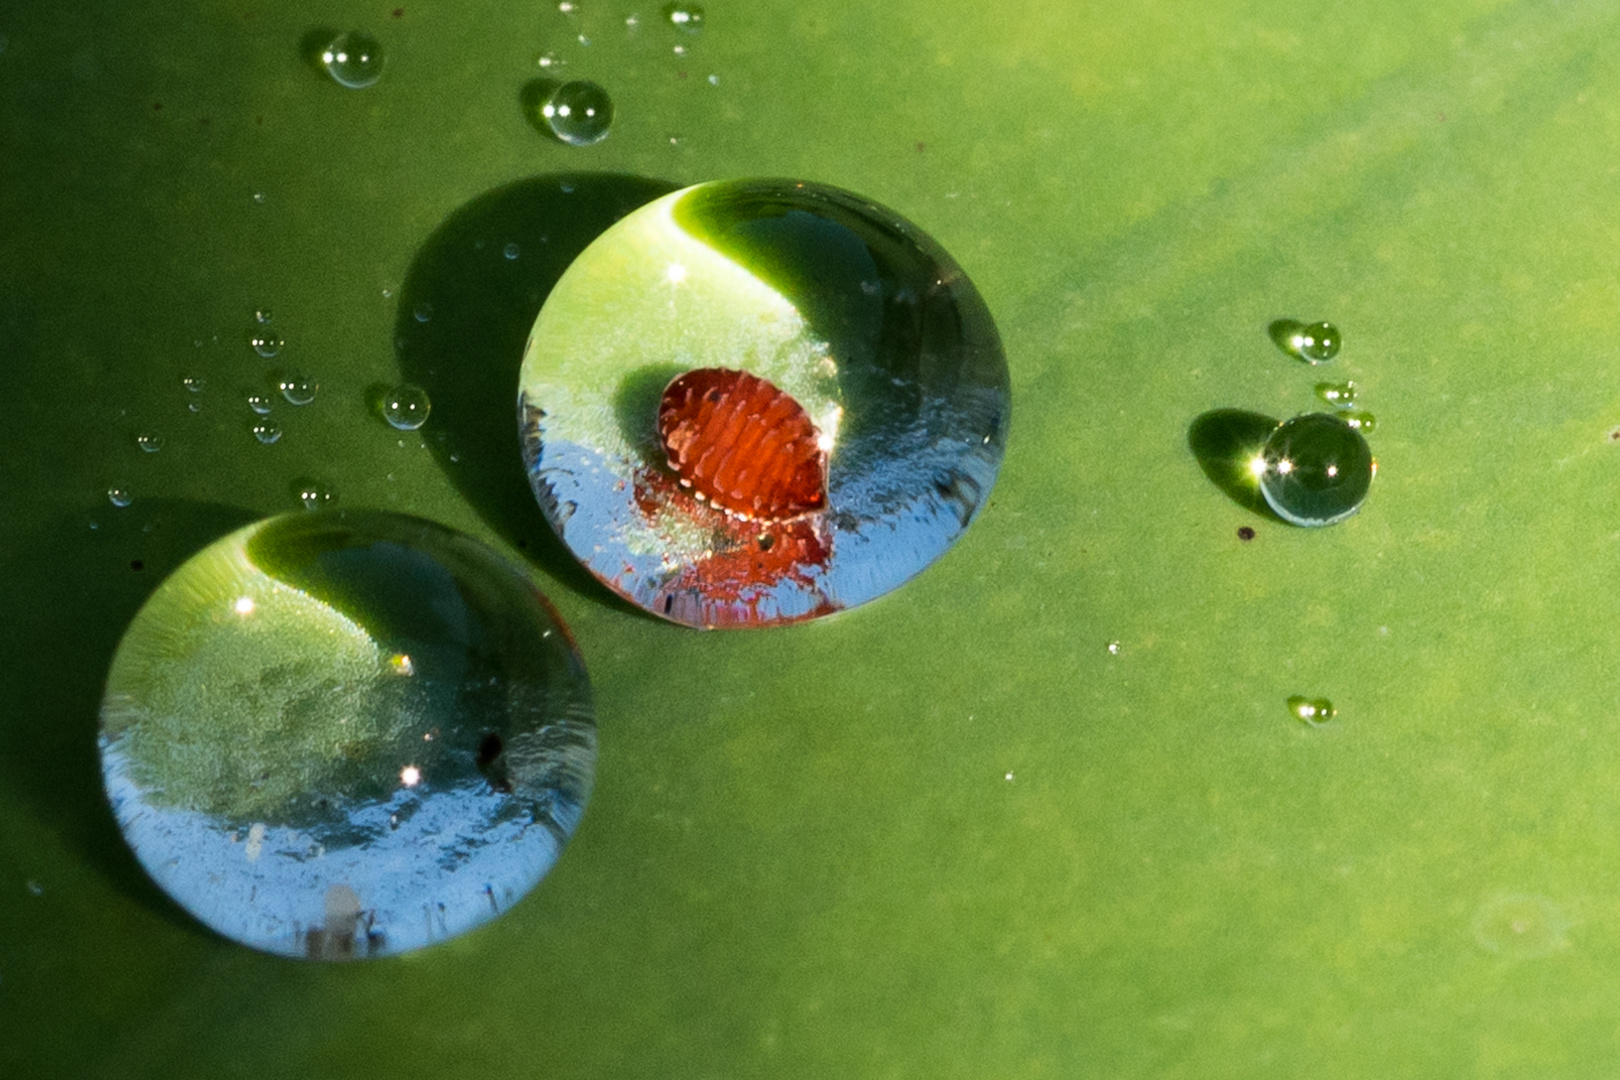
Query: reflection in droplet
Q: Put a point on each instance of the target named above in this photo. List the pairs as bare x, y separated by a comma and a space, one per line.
194, 384
1314, 343
1313, 711
512, 250
406, 407
1339, 395
683, 15
1361, 420
119, 496
1521, 925
267, 431
149, 441
267, 343
423, 312
1115, 648
260, 403
894, 397
335, 735
298, 389
549, 61
579, 113
263, 315
313, 494
1315, 470
354, 60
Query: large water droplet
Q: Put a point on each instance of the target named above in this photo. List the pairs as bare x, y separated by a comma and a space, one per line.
579, 113
406, 407
895, 396
354, 59
684, 16
298, 389
1315, 470
1314, 343
345, 734
1313, 711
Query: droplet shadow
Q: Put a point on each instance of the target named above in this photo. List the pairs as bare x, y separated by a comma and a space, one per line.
1226, 442
486, 271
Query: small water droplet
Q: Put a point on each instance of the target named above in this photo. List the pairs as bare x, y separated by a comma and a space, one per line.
35, 888
674, 140
406, 407
632, 21
568, 7
714, 80
423, 312
313, 494
193, 383
1315, 470
512, 250
258, 197
119, 496
684, 16
1339, 395
679, 50
259, 403
1314, 343
149, 441
267, 431
263, 315
298, 389
1114, 648
550, 61
354, 60
579, 113
1313, 711
1361, 421
267, 343
584, 41
388, 294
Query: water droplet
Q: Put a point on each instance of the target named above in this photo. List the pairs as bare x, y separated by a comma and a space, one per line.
568, 7
714, 80
313, 494
119, 496
674, 140
298, 389
388, 294
149, 441
1314, 343
1361, 421
1115, 648
263, 316
423, 312
1313, 711
684, 16
267, 343
1315, 470
1521, 926
1339, 395
267, 431
905, 430
406, 407
679, 50
35, 888
258, 198
549, 61
579, 113
354, 60
263, 735
194, 384
259, 403
512, 250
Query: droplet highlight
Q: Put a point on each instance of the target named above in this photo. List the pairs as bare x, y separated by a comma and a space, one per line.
267, 431
353, 59
1312, 711
1314, 343
149, 441
684, 16
579, 113
298, 389
119, 496
1315, 470
260, 403
406, 407
1341, 395
313, 494
267, 343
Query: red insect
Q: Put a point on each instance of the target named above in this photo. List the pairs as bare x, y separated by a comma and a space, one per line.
742, 444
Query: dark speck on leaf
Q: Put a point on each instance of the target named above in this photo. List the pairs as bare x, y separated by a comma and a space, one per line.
1245, 533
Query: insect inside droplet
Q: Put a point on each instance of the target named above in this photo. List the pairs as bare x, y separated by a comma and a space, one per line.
744, 445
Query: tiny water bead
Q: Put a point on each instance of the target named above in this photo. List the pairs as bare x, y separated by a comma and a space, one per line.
263, 316
549, 61
259, 403
1314, 343
267, 343
423, 312
1360, 420
752, 403
512, 251
149, 441
298, 389
194, 384
1315, 470
406, 407
119, 496
267, 431
313, 494
354, 60
345, 734
579, 113
1339, 395
1312, 711
684, 16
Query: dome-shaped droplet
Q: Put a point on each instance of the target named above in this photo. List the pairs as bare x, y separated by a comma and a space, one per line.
354, 59
267, 431
1315, 470
313, 494
340, 734
1312, 711
406, 407
683, 15
298, 389
758, 402
119, 496
267, 343
149, 441
579, 113
1314, 343
1339, 395
260, 403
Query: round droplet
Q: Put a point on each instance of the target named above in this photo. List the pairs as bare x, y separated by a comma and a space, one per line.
729, 322
1362, 421
1315, 470
149, 441
341, 734
743, 445
259, 403
258, 198
267, 343
1313, 711
354, 59
194, 384
267, 431
298, 389
1339, 395
568, 7
1314, 343
313, 494
1115, 648
549, 61
119, 496
512, 250
423, 312
579, 113
684, 16
406, 407
263, 316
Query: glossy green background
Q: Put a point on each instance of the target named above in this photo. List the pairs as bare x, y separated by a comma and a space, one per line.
946, 835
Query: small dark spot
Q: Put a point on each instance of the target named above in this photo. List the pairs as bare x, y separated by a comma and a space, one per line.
258, 119
205, 120
1614, 436
399, 13
136, 564
489, 748
669, 603
921, 147
156, 105
523, 543
713, 396
680, 74
766, 541
1245, 533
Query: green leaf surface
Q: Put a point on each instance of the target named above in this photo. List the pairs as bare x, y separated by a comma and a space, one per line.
951, 833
